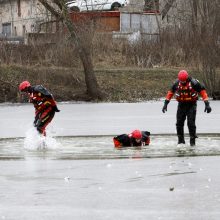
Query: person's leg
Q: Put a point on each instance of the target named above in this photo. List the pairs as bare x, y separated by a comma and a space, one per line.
191, 123
180, 119
45, 118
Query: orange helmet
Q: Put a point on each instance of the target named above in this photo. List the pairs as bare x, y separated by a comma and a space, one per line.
24, 85
136, 134
183, 75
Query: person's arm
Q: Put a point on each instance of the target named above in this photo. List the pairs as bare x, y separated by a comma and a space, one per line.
200, 88
145, 137
37, 117
147, 141
169, 96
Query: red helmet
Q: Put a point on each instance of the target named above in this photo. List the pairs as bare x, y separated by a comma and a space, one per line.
136, 134
183, 75
24, 85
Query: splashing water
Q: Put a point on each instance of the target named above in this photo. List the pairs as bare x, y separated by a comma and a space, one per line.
35, 141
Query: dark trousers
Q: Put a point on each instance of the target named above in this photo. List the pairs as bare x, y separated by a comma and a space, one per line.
186, 110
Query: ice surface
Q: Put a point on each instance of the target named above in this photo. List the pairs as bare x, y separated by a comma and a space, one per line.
125, 189
105, 118
83, 177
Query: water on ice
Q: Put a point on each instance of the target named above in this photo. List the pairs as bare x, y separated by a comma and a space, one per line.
35, 141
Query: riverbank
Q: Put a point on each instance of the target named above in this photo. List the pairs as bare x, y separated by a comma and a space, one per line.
67, 84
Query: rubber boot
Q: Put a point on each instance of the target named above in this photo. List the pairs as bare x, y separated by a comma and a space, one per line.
180, 134
181, 139
192, 141
192, 134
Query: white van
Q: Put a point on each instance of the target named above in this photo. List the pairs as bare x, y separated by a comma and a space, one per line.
96, 5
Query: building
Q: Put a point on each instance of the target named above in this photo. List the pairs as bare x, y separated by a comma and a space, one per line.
18, 17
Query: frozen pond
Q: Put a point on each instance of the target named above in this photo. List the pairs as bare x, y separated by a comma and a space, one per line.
79, 175
160, 188
106, 119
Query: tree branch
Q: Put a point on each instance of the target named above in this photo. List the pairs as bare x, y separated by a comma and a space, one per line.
167, 8
58, 3
52, 10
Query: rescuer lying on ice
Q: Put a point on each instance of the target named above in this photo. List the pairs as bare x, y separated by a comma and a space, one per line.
186, 89
134, 139
44, 104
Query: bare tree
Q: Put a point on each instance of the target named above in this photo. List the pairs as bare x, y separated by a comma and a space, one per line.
206, 29
151, 5
167, 7
194, 30
59, 9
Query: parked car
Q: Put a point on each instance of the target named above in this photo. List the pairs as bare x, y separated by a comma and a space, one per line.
96, 5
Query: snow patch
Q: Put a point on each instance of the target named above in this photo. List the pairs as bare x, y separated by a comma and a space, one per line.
134, 38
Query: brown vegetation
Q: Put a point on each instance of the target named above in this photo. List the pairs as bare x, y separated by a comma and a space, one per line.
81, 41
67, 84
125, 71
118, 66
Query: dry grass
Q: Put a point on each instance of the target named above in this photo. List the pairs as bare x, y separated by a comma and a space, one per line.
66, 84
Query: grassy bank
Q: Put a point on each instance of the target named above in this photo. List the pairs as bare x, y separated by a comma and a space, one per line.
67, 84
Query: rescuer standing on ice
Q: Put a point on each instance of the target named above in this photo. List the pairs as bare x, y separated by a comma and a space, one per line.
186, 89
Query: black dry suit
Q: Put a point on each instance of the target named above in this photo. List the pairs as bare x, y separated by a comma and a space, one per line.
187, 96
125, 140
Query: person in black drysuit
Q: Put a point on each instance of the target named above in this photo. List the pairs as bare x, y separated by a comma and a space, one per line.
134, 139
186, 90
